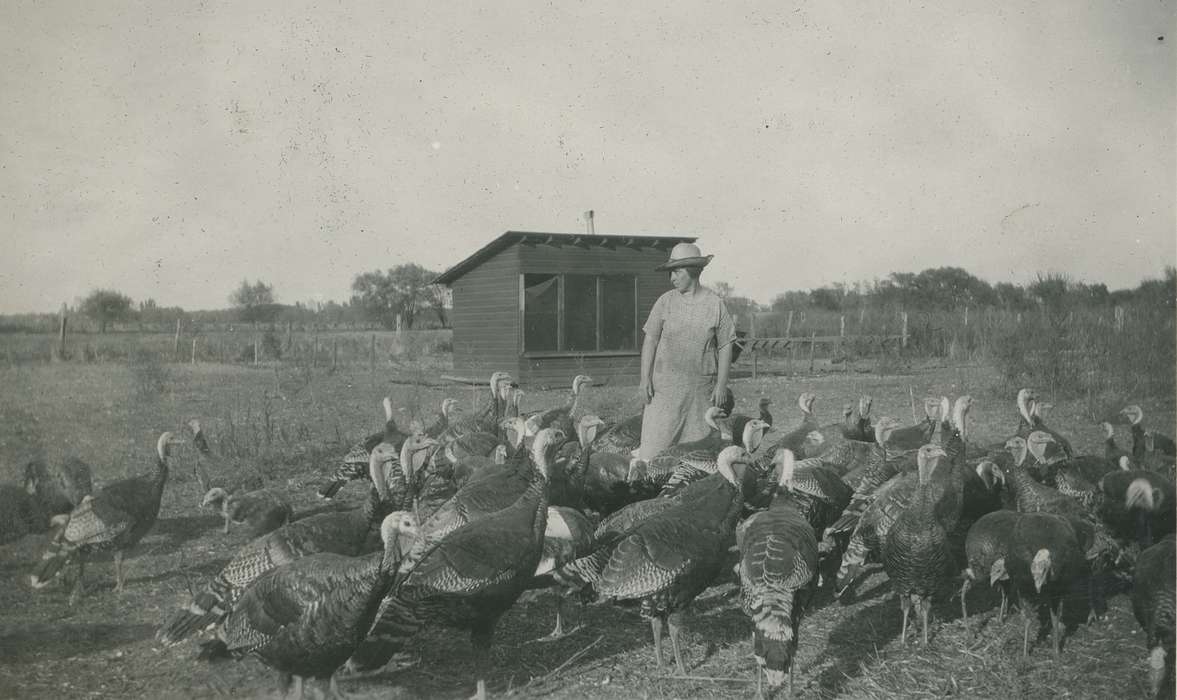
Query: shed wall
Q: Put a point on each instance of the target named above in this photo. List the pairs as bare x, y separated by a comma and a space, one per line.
485, 316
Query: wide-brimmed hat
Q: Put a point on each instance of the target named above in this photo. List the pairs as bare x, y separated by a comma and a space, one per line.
685, 255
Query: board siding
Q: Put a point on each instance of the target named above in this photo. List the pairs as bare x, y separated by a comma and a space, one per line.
485, 318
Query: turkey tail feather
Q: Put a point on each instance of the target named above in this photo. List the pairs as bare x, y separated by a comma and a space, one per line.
396, 623
205, 611
331, 488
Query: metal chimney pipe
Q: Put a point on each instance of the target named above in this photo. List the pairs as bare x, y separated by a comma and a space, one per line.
588, 221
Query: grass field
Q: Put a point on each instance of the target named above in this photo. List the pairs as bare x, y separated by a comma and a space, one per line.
284, 426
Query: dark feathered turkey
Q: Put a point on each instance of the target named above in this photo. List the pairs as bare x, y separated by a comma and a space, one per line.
672, 556
778, 570
1153, 604
114, 518
355, 463
348, 533
305, 618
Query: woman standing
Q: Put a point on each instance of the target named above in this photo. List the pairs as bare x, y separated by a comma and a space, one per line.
685, 356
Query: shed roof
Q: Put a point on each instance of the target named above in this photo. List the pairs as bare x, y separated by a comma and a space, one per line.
570, 239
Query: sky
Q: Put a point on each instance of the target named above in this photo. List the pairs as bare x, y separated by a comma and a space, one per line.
171, 149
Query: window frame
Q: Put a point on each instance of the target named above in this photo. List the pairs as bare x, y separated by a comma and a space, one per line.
561, 340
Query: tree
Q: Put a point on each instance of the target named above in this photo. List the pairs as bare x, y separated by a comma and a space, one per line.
404, 289
106, 306
255, 302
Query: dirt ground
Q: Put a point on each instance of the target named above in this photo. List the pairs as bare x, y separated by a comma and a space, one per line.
105, 647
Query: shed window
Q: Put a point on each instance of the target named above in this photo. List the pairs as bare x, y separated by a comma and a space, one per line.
579, 313
541, 320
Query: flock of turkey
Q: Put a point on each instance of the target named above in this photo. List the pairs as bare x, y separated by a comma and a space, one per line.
466, 514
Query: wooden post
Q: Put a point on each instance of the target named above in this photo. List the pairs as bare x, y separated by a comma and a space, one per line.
289, 334
966, 316
789, 325
334, 353
752, 339
61, 334
1119, 311
842, 326
792, 357
176, 342
903, 333
812, 349
861, 317
315, 353
193, 351
255, 350
372, 355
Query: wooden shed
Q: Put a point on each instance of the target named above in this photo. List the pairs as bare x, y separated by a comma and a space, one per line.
547, 306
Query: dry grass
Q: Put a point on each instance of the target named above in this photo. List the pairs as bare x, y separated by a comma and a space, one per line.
284, 427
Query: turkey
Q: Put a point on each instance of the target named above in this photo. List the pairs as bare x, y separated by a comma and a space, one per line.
568, 536
985, 549
1137, 505
799, 437
1044, 555
669, 558
62, 488
870, 533
621, 438
485, 420
1134, 415
563, 417
1029, 496
696, 465
738, 421
1038, 421
305, 618
778, 573
116, 517
355, 462
663, 465
1111, 451
1025, 420
877, 471
448, 407
347, 533
468, 576
20, 514
915, 436
1152, 604
260, 511
860, 428
489, 491
916, 553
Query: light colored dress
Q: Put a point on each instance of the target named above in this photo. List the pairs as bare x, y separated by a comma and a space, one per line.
689, 330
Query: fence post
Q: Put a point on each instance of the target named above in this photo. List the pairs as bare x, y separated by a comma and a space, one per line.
315, 353
334, 353
255, 349
176, 342
812, 348
903, 333
61, 334
789, 325
289, 334
1119, 311
372, 355
193, 351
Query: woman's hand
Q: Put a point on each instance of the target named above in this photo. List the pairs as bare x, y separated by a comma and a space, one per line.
717, 395
646, 390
